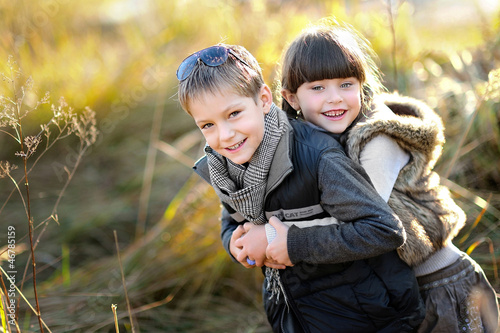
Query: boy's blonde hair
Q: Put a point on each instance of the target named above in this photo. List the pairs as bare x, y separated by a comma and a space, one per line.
244, 79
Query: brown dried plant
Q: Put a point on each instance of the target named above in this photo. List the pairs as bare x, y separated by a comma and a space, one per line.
17, 102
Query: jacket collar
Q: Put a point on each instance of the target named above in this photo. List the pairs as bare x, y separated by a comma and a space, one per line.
281, 165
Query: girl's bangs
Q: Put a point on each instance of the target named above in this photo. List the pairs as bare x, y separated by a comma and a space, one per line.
327, 60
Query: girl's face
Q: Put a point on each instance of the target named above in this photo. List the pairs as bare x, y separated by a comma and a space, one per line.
331, 104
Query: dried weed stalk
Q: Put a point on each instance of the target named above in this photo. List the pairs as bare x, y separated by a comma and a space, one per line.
17, 102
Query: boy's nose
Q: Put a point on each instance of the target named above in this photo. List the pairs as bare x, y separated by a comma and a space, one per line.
226, 132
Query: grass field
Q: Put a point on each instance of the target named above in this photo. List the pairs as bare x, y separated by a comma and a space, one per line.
117, 179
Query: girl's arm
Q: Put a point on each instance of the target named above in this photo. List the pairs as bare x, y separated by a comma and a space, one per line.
370, 228
382, 158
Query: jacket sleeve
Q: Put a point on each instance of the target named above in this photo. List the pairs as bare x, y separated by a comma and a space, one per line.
370, 227
228, 225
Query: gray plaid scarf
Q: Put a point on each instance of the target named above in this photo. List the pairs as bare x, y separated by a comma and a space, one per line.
244, 188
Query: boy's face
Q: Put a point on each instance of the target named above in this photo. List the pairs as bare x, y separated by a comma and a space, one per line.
232, 125
331, 104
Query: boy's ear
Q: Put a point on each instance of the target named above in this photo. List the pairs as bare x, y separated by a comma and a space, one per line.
266, 97
290, 98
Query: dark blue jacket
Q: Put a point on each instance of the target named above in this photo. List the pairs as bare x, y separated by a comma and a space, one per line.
346, 277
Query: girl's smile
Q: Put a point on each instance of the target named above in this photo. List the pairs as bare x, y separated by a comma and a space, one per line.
332, 104
335, 114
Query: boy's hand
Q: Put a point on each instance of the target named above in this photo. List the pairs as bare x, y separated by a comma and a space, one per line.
277, 250
253, 244
240, 253
235, 250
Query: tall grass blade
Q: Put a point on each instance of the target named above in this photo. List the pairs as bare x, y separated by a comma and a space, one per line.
476, 222
174, 153
25, 299
150, 166
477, 200
491, 249
65, 267
2, 312
123, 281
117, 327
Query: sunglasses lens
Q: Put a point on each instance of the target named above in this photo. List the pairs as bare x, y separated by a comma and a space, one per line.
214, 56
187, 66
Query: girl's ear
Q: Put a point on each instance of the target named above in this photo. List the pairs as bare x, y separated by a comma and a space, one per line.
266, 97
291, 98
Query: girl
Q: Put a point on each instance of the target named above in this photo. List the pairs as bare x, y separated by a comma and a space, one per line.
329, 79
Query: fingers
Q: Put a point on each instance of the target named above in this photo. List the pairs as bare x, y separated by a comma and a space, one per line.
277, 266
238, 232
269, 255
247, 226
276, 256
234, 247
275, 222
242, 257
273, 264
245, 260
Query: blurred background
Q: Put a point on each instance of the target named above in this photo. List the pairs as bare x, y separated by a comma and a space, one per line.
132, 191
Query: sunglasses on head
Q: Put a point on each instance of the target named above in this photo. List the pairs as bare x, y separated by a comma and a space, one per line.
212, 56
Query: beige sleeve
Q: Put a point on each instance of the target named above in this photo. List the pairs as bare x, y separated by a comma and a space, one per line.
382, 158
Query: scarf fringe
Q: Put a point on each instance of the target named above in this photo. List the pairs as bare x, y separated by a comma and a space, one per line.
274, 286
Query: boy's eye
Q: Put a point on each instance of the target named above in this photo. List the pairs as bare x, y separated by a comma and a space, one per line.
234, 114
206, 126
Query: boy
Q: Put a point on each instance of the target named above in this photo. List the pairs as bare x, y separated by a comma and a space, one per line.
262, 164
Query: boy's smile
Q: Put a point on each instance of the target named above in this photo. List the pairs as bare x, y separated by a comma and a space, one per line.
232, 125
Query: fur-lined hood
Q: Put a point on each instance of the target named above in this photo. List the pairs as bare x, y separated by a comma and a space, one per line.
411, 123
429, 214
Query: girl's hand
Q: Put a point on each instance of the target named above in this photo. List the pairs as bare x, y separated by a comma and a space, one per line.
277, 250
273, 264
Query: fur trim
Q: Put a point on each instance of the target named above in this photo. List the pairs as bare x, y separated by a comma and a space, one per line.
430, 216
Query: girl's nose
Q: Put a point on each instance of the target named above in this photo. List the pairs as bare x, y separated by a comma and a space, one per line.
334, 96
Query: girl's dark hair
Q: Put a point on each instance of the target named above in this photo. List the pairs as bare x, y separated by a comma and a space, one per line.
330, 51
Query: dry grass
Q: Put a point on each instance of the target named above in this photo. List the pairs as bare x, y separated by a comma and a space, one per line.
176, 274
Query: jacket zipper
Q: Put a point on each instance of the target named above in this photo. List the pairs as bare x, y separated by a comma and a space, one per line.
290, 306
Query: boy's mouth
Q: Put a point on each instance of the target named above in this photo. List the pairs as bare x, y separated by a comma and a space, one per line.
236, 146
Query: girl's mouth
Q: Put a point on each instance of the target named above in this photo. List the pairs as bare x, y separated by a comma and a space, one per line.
334, 113
236, 146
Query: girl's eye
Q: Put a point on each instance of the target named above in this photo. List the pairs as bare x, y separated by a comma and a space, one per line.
317, 88
346, 85
234, 114
206, 126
